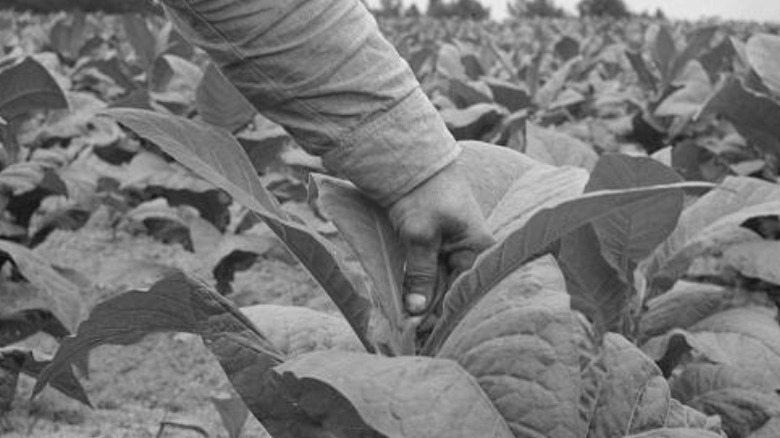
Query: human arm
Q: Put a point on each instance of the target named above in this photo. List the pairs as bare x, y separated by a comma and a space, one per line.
321, 69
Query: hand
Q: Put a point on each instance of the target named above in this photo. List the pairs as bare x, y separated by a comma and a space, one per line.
440, 223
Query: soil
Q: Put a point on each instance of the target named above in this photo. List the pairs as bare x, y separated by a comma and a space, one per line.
166, 378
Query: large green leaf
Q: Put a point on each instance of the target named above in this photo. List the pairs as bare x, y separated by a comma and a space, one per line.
219, 103
710, 224
518, 343
762, 53
28, 86
174, 304
535, 238
352, 395
217, 157
628, 235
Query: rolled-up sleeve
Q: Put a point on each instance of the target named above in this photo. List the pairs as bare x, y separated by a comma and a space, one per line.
321, 69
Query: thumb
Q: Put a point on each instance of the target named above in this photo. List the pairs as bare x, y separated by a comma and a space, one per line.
420, 276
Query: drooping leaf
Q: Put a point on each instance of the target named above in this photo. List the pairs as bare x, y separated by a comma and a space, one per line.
518, 343
214, 155
174, 304
761, 50
533, 239
753, 114
558, 148
52, 290
219, 103
28, 86
711, 222
352, 394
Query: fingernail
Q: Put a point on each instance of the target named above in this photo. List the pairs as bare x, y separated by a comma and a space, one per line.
415, 303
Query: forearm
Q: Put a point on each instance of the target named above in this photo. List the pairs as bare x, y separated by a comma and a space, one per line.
322, 70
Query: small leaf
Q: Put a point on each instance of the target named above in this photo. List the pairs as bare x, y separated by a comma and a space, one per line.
664, 52
762, 50
233, 413
141, 39
28, 86
642, 70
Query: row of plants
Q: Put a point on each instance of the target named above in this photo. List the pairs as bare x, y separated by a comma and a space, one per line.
630, 181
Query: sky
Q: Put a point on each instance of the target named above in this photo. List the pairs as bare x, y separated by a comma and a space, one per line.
760, 10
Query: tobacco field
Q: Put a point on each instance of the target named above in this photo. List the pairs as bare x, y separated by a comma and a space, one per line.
172, 264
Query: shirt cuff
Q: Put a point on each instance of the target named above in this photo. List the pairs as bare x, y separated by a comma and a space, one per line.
395, 152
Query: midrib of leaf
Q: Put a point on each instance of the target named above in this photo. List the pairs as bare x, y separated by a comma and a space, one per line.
386, 265
495, 261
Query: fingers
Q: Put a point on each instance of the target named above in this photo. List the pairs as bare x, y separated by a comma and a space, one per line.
421, 276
